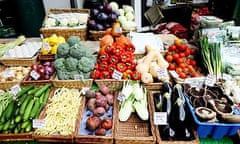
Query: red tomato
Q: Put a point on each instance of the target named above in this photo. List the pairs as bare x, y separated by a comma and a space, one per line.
191, 69
172, 48
193, 51
178, 70
193, 62
171, 66
175, 56
179, 61
187, 52
182, 54
194, 74
182, 65
182, 47
169, 58
182, 75
185, 69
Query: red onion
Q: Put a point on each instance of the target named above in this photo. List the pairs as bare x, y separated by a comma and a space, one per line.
47, 63
49, 69
34, 67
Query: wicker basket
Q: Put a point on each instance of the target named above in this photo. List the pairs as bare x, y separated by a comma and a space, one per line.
111, 83
18, 61
159, 140
55, 138
47, 57
65, 32
153, 86
38, 82
93, 139
134, 130
72, 83
16, 137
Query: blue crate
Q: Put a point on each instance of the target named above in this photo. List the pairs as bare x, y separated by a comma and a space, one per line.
213, 130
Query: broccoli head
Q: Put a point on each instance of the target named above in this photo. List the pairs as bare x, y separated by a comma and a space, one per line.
72, 40
77, 51
86, 75
59, 64
71, 64
73, 74
63, 75
63, 50
85, 64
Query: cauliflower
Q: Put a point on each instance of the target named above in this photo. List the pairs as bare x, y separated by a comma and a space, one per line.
72, 22
127, 9
72, 40
59, 64
114, 5
77, 51
50, 22
71, 64
85, 64
63, 50
63, 22
129, 16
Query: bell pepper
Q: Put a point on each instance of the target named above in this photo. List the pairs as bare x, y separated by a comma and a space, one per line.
113, 59
108, 49
130, 48
103, 57
105, 75
125, 57
111, 68
127, 74
95, 74
135, 75
121, 67
117, 50
103, 66
131, 65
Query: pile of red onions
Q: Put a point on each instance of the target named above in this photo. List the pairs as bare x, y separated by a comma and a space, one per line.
41, 71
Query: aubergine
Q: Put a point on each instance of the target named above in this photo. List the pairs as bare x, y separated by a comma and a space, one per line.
158, 101
178, 93
166, 87
167, 104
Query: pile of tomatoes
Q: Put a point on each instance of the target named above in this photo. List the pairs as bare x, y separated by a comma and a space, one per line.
181, 59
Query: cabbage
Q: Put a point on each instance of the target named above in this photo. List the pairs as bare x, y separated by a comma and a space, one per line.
129, 25
63, 22
129, 16
114, 5
128, 8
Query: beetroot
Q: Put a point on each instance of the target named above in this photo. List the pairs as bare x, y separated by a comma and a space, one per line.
99, 111
100, 132
104, 89
90, 93
109, 98
93, 123
101, 101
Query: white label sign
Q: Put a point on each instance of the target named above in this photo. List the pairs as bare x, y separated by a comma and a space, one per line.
8, 74
121, 97
117, 75
78, 77
160, 118
15, 89
46, 46
34, 75
174, 74
162, 73
210, 80
38, 123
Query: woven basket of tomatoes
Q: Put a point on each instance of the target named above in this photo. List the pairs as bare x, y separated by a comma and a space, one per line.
183, 59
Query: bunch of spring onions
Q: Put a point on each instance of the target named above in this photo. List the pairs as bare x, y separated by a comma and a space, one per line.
211, 54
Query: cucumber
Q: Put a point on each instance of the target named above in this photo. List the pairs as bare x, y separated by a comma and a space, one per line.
10, 110
46, 95
3, 119
18, 119
24, 91
35, 108
33, 91
16, 113
27, 112
28, 127
25, 124
21, 100
1, 126
39, 110
24, 104
6, 125
42, 90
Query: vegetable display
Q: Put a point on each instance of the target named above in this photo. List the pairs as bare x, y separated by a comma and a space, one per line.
98, 115
20, 111
73, 60
182, 59
41, 71
61, 112
50, 44
133, 98
116, 53
149, 65
14, 73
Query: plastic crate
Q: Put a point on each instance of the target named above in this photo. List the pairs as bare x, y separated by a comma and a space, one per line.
213, 130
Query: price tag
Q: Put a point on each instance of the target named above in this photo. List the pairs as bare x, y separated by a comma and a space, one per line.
121, 97
174, 74
210, 80
227, 77
8, 74
46, 46
15, 89
34, 75
38, 123
195, 82
162, 73
160, 118
117, 75
78, 77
